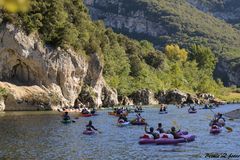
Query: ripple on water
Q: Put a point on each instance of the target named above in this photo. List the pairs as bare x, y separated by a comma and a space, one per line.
26, 135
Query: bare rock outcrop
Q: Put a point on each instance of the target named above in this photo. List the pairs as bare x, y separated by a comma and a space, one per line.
26, 98
144, 97
25, 61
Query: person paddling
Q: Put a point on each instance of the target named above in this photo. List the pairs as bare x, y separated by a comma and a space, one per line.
90, 127
85, 111
219, 116
151, 132
123, 118
139, 117
174, 133
66, 116
93, 111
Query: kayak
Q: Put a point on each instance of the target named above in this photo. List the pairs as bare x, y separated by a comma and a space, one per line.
122, 124
163, 112
184, 139
95, 114
215, 130
192, 111
138, 123
87, 132
66, 121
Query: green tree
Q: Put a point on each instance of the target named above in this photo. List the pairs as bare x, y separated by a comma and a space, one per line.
204, 58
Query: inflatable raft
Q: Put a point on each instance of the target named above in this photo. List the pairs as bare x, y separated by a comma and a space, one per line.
122, 124
167, 139
215, 129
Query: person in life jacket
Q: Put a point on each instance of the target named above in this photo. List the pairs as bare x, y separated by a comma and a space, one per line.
90, 127
151, 132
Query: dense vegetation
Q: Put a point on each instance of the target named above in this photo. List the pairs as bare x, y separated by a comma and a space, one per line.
129, 65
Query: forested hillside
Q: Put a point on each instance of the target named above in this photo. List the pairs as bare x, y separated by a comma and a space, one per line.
174, 22
130, 65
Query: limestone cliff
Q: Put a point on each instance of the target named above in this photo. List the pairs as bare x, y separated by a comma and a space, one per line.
25, 61
135, 19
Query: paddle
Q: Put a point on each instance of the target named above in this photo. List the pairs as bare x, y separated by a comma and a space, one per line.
230, 119
174, 122
99, 132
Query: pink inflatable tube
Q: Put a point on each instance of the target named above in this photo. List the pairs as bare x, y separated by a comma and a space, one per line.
86, 132
184, 139
215, 130
146, 141
166, 141
183, 132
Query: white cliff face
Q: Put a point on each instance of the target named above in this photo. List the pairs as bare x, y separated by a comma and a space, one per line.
131, 22
24, 61
136, 23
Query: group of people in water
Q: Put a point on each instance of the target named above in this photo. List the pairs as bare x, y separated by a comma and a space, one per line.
172, 133
218, 120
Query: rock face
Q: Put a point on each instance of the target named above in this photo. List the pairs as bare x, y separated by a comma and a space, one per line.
26, 98
124, 100
233, 114
175, 97
24, 61
118, 15
2, 104
227, 10
129, 18
230, 75
144, 97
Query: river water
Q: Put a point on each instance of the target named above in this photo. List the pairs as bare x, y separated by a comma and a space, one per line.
41, 135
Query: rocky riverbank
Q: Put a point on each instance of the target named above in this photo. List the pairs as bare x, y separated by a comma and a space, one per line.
37, 77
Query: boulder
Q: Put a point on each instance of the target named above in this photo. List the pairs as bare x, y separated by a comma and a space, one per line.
27, 98
144, 97
124, 100
2, 104
206, 96
175, 97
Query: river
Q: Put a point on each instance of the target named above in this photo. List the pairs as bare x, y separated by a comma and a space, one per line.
41, 135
